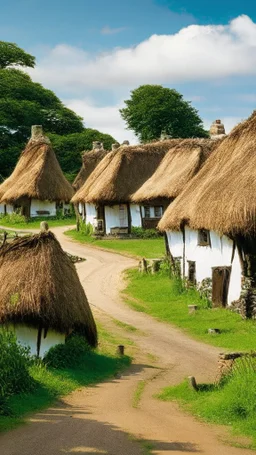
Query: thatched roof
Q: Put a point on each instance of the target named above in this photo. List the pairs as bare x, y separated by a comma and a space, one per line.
37, 175
221, 197
90, 161
40, 287
122, 172
176, 169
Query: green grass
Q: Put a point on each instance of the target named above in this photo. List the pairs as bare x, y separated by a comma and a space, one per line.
232, 402
51, 384
127, 327
34, 223
138, 393
166, 300
147, 248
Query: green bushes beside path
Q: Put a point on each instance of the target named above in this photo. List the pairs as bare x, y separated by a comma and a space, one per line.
17, 221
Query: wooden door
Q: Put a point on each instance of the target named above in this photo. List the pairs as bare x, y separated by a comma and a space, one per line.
220, 285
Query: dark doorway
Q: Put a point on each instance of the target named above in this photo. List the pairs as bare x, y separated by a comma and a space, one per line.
192, 272
220, 285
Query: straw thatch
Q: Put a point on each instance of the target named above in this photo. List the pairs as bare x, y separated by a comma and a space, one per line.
178, 166
40, 287
221, 197
90, 161
122, 172
37, 175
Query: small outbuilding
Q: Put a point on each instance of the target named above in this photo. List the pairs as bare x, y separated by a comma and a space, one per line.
42, 299
108, 191
37, 184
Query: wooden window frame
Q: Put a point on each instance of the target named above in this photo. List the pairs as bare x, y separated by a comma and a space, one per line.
203, 237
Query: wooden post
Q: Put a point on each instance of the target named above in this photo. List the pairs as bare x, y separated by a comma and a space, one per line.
192, 383
129, 218
120, 349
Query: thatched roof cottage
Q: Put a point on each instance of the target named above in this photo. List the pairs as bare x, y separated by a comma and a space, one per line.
214, 219
109, 188
179, 165
37, 182
42, 298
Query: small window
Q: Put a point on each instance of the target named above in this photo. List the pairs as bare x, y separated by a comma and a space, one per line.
158, 212
192, 272
147, 212
203, 237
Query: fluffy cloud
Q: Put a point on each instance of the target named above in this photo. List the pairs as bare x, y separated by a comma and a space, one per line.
112, 31
194, 53
106, 119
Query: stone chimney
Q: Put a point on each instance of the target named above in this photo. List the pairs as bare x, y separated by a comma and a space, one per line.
37, 134
97, 145
126, 143
115, 146
217, 129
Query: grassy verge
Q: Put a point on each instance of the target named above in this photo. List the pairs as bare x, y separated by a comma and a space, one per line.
165, 299
232, 402
148, 248
51, 384
34, 223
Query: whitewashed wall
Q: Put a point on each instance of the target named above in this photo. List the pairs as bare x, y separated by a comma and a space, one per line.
217, 255
9, 208
90, 214
42, 205
112, 217
135, 215
27, 336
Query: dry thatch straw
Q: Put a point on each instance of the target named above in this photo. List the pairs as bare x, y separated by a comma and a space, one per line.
90, 161
37, 175
40, 287
176, 169
221, 197
122, 172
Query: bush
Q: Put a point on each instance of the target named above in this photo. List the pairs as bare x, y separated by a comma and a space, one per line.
14, 369
68, 355
141, 233
85, 228
13, 218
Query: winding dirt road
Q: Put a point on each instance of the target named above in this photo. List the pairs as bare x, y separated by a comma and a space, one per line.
103, 419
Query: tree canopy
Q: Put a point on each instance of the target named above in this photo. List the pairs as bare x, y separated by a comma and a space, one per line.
11, 54
153, 110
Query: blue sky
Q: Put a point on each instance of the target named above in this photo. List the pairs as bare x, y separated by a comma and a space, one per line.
93, 52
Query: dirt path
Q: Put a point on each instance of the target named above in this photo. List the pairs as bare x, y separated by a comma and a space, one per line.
103, 419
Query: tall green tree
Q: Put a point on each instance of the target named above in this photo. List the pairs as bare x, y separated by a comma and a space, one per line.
11, 54
153, 109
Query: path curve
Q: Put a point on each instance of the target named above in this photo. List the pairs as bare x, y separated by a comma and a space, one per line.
100, 419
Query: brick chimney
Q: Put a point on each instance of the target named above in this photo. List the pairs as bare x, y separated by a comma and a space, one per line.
97, 145
126, 143
217, 129
37, 134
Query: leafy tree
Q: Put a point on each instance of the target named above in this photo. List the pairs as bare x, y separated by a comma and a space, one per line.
11, 54
69, 148
153, 109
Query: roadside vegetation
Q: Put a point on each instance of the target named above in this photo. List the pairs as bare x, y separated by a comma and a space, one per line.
29, 384
139, 247
17, 221
231, 402
166, 299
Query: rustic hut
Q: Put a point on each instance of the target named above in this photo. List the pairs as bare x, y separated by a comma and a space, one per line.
37, 183
90, 161
179, 165
109, 188
211, 226
42, 299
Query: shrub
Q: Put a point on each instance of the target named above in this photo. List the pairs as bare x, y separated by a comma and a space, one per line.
141, 233
85, 228
13, 218
14, 369
67, 355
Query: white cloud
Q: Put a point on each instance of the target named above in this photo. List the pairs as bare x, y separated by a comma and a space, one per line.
106, 119
194, 53
112, 31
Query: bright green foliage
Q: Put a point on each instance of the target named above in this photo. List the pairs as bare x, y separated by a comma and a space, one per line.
14, 369
153, 109
167, 300
11, 54
232, 402
68, 355
141, 233
69, 148
14, 220
147, 248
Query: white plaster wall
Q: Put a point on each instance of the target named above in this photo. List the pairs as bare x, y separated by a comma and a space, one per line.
90, 214
27, 336
235, 284
9, 208
135, 215
42, 205
2, 208
112, 216
175, 242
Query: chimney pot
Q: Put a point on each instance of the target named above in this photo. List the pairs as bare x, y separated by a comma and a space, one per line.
126, 142
97, 145
217, 129
36, 131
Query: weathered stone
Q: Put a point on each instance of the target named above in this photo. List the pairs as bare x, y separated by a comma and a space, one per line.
192, 308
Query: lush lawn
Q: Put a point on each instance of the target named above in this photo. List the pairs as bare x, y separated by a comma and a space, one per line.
34, 223
232, 402
166, 300
51, 384
148, 248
